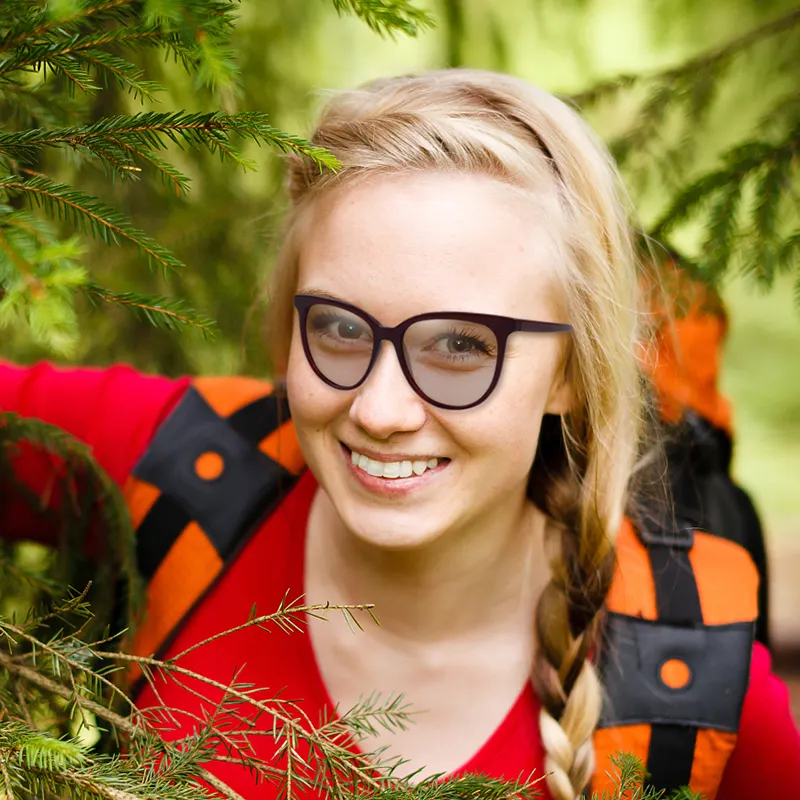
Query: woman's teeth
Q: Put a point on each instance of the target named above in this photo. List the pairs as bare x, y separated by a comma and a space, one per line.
392, 469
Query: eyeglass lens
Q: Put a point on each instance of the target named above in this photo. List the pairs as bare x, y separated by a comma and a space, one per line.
452, 361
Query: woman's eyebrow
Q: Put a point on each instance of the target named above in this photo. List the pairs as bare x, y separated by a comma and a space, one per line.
322, 293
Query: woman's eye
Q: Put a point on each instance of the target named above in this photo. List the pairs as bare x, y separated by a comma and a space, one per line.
460, 345
334, 326
349, 330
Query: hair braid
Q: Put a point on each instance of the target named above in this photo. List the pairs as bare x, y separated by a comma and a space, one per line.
567, 615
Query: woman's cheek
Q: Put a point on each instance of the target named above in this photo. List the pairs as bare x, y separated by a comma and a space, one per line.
517, 421
307, 394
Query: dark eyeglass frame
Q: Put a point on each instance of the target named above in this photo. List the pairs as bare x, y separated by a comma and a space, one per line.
502, 327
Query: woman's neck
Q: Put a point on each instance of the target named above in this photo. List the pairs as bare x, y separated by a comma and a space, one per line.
463, 583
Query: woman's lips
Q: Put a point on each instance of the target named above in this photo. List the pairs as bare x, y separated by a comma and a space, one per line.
393, 486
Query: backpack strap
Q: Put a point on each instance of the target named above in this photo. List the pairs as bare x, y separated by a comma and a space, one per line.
216, 466
702, 489
675, 657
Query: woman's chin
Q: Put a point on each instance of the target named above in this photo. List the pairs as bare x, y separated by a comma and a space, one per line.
390, 530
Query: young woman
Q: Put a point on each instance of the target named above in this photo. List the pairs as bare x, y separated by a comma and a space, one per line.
455, 319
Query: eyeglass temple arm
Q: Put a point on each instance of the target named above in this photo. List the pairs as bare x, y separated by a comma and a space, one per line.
531, 326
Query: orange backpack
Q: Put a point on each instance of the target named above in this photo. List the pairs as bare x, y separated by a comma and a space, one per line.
684, 364
675, 654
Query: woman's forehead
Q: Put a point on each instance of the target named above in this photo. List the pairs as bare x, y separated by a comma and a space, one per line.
406, 244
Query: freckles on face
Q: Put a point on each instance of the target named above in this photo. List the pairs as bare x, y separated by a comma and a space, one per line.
401, 245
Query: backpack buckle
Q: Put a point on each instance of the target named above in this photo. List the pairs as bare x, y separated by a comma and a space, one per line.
679, 535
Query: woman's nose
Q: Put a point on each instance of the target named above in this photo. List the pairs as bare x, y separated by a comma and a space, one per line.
385, 403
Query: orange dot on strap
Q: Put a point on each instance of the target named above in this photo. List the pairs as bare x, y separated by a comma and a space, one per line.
209, 466
675, 673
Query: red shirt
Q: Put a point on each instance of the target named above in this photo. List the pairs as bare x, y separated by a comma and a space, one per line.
117, 410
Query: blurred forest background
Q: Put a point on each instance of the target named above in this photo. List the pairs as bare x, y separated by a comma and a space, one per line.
664, 127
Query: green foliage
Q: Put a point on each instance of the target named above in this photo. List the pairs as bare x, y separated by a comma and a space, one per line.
76, 48
709, 145
388, 15
88, 496
744, 201
631, 784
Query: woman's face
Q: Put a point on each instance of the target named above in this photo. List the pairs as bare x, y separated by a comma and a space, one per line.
401, 245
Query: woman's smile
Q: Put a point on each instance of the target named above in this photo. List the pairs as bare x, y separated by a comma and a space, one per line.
392, 475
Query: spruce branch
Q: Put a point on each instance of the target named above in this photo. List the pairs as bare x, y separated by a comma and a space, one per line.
741, 162
388, 16
38, 21
81, 46
712, 60
159, 311
288, 731
90, 215
313, 758
200, 31
370, 714
75, 64
288, 617
289, 728
122, 72
48, 276
170, 175
124, 724
78, 460
78, 77
144, 132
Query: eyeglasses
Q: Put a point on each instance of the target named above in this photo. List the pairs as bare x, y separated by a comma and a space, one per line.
451, 360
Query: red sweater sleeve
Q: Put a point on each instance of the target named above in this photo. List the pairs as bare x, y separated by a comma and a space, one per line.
766, 760
115, 411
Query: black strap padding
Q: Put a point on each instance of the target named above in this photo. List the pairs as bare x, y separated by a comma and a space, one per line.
257, 420
157, 533
744, 510
670, 754
633, 652
671, 750
699, 458
677, 597
696, 450
227, 507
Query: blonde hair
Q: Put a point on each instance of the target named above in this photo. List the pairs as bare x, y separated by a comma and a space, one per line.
489, 124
